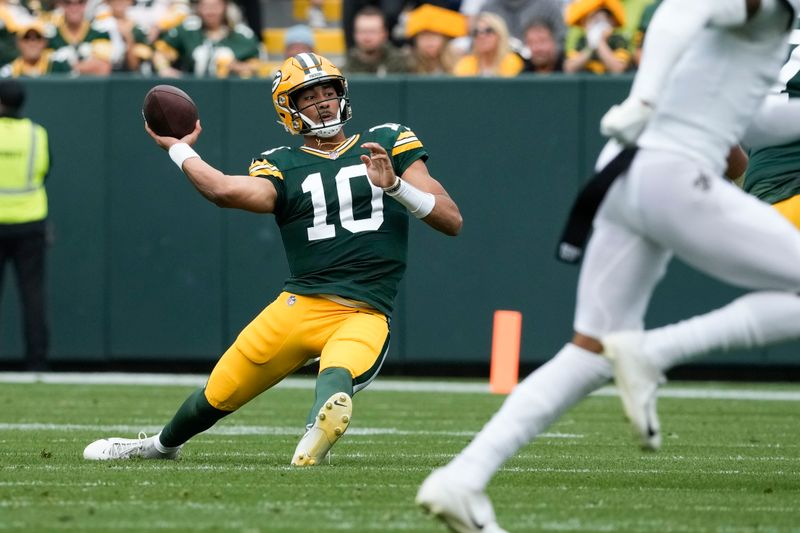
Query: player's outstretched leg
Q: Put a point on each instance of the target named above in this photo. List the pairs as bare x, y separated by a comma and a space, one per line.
640, 357
637, 382
461, 509
456, 492
194, 416
331, 423
329, 416
116, 448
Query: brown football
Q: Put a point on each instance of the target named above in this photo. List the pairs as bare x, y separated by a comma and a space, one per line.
169, 111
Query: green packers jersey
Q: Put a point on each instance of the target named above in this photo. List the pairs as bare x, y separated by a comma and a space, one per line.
773, 173
8, 40
190, 50
8, 46
45, 66
644, 22
141, 44
616, 41
343, 236
91, 41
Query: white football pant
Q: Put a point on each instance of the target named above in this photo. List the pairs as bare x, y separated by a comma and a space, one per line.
663, 204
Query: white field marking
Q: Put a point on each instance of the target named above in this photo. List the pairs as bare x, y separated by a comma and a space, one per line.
381, 385
38, 483
636, 471
249, 430
696, 393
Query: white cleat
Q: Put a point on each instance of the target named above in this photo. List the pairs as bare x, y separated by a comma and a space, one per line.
637, 383
330, 424
461, 510
115, 448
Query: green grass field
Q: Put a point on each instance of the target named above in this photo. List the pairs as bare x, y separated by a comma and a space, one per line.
727, 465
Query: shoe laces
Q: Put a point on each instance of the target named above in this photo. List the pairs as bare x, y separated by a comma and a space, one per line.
121, 450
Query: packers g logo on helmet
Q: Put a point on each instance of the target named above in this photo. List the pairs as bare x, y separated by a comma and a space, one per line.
300, 72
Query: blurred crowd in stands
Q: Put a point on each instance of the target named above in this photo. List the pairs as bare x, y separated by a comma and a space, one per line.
227, 38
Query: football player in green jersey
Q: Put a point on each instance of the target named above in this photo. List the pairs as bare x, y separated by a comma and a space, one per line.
773, 172
342, 204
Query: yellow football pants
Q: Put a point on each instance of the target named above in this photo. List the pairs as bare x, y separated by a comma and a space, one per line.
790, 208
286, 335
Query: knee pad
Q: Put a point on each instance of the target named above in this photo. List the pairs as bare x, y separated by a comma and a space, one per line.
221, 389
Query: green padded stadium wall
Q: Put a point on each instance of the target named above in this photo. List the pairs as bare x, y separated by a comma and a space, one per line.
141, 267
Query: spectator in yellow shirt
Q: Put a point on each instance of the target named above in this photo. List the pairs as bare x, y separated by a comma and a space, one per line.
35, 59
491, 54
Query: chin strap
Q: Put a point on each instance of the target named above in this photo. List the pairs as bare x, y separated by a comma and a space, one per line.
327, 131
323, 130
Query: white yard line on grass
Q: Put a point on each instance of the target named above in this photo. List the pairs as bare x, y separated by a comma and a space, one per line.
246, 430
709, 392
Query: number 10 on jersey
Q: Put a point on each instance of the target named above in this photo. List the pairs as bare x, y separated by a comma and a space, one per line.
321, 229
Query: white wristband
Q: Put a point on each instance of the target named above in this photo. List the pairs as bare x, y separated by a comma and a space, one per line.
419, 203
180, 152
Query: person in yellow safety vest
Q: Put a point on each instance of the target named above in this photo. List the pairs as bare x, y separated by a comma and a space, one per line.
24, 164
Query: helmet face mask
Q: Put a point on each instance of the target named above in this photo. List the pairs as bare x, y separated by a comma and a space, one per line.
305, 71
325, 127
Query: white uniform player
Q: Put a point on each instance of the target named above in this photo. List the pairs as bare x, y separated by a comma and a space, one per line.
707, 68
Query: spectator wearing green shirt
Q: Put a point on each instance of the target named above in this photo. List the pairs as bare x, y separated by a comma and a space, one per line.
81, 43
208, 44
638, 37
132, 50
601, 48
11, 17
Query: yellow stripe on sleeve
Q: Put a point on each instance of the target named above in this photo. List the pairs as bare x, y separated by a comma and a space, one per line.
406, 147
262, 167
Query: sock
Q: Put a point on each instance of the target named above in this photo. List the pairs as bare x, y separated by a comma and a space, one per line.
755, 319
160, 447
533, 405
329, 382
194, 416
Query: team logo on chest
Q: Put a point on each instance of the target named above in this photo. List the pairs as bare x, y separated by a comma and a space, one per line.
291, 300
